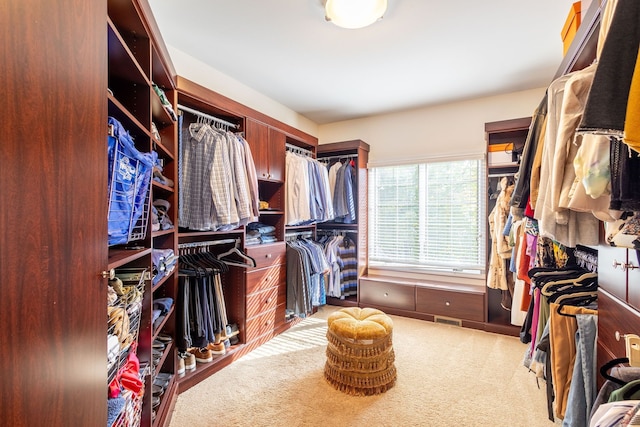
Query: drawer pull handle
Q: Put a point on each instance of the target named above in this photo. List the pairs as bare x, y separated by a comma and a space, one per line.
386, 294
615, 264
447, 303
629, 266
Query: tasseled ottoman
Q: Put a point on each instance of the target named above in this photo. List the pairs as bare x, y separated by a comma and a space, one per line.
360, 356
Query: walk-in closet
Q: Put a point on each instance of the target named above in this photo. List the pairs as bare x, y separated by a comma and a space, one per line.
163, 222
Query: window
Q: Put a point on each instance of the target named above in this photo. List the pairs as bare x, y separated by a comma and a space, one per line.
428, 216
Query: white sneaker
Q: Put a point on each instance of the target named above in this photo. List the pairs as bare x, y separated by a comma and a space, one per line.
189, 361
181, 365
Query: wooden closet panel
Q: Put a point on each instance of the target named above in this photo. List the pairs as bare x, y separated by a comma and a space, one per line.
53, 218
277, 148
615, 319
257, 135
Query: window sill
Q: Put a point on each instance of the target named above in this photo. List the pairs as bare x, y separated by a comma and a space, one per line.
467, 278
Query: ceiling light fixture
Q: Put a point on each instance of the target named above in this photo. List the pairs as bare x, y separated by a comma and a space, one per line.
354, 13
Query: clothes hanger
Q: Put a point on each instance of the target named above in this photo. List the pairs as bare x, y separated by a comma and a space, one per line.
545, 290
236, 251
578, 299
211, 261
604, 370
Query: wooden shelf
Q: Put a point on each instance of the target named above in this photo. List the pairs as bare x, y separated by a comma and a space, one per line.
119, 256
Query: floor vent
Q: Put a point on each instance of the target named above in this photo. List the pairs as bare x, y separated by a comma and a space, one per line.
447, 321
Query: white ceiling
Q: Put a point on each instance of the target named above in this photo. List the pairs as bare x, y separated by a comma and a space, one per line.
423, 52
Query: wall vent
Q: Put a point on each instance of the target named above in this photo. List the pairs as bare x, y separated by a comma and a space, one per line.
447, 321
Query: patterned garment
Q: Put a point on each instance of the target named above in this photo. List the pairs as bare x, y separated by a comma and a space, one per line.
624, 232
196, 211
348, 256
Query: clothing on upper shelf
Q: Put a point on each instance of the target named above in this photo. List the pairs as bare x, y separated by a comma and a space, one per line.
165, 102
606, 108
218, 181
307, 191
344, 192
555, 221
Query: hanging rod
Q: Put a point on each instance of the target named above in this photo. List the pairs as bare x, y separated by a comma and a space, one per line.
344, 156
334, 231
207, 243
298, 234
207, 116
500, 175
298, 150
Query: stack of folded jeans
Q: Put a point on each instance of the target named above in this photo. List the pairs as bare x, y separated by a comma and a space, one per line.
258, 233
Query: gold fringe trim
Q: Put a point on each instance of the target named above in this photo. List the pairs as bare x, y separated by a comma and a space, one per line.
361, 384
354, 349
374, 364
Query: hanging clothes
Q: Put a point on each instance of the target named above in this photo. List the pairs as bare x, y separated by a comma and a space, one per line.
201, 311
345, 194
306, 267
307, 191
498, 275
218, 181
342, 256
561, 325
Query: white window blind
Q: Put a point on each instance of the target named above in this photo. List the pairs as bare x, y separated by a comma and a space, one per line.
428, 216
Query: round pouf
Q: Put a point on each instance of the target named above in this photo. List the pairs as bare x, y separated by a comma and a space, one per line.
360, 356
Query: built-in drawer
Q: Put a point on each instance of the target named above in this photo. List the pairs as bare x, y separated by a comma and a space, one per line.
615, 320
267, 255
450, 303
260, 302
262, 324
260, 280
388, 294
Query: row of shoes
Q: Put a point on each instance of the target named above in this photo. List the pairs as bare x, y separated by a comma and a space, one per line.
160, 383
187, 360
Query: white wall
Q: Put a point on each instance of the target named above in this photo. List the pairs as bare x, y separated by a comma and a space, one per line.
443, 130
449, 129
198, 72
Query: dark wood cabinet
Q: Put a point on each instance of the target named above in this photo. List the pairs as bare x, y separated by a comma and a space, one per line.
276, 154
257, 135
268, 149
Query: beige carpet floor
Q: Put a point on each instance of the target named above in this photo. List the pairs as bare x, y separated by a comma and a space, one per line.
447, 376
